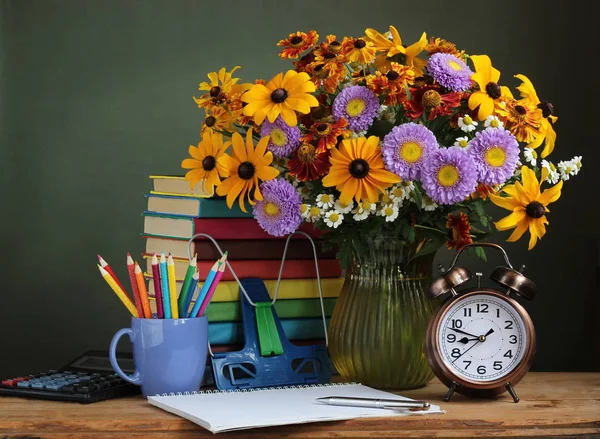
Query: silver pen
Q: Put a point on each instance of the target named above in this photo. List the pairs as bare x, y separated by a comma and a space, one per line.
375, 403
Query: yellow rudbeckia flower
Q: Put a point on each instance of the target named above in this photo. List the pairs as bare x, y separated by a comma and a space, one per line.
283, 95
548, 134
244, 168
205, 162
357, 170
487, 78
528, 206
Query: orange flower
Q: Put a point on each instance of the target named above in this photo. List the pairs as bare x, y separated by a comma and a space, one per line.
297, 43
220, 88
217, 119
431, 99
522, 118
483, 191
326, 76
439, 45
326, 135
392, 84
308, 165
459, 231
358, 50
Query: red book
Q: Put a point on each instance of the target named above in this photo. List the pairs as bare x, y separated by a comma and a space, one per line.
175, 226
250, 249
265, 269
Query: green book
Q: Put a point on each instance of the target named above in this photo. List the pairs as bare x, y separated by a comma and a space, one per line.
286, 309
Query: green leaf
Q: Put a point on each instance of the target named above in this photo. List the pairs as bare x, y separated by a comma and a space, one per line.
480, 252
417, 196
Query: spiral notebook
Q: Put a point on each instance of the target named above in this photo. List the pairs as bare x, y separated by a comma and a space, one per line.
227, 411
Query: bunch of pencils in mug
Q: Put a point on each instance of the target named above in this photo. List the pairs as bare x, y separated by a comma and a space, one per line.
168, 305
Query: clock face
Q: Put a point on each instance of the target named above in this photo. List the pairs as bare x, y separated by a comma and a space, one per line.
482, 338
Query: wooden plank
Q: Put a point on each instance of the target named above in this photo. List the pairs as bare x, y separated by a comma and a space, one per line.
552, 404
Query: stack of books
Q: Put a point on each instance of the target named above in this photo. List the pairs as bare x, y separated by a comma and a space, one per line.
175, 213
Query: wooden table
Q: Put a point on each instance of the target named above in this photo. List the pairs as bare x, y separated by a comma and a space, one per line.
552, 404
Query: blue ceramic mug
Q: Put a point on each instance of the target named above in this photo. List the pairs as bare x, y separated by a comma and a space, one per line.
169, 354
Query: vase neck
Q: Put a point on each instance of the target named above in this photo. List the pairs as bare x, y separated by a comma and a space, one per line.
389, 254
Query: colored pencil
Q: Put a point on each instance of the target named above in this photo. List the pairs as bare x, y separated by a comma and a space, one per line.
164, 283
106, 267
157, 289
190, 294
118, 291
134, 286
202, 294
212, 289
141, 283
172, 287
185, 287
209, 279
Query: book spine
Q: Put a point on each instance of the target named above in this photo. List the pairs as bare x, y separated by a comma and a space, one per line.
285, 309
244, 228
260, 249
229, 291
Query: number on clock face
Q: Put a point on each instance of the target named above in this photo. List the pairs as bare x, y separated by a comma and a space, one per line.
482, 338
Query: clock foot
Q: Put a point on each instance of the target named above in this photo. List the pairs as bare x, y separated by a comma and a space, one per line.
512, 392
450, 392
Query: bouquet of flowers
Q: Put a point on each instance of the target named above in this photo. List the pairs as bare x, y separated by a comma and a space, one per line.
368, 137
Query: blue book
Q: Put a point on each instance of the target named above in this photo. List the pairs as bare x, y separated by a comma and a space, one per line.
295, 329
193, 207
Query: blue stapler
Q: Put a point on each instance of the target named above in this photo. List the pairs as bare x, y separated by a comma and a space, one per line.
268, 358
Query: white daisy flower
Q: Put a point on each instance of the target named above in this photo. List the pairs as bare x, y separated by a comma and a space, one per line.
577, 162
383, 109
390, 212
305, 210
428, 204
385, 197
314, 214
493, 122
325, 201
466, 123
398, 193
363, 210
333, 218
462, 142
553, 174
343, 208
530, 156
567, 169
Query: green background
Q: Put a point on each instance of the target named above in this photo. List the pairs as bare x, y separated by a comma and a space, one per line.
97, 95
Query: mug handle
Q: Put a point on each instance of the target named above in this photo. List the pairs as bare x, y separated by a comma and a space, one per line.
135, 378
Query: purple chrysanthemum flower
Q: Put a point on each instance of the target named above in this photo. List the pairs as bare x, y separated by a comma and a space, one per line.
284, 138
449, 175
449, 71
279, 211
358, 105
495, 153
406, 148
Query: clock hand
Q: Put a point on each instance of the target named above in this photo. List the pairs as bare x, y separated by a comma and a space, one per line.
463, 332
466, 340
467, 350
489, 332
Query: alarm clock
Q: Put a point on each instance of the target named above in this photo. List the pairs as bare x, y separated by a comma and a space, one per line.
482, 341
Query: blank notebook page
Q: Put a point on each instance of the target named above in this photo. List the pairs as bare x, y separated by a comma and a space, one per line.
226, 411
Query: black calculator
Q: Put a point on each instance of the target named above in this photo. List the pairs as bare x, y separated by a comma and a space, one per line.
88, 378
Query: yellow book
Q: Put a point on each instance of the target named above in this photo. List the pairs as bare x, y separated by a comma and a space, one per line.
176, 185
229, 291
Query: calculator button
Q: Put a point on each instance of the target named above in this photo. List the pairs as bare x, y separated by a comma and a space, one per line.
24, 384
70, 376
55, 386
69, 388
38, 385
91, 388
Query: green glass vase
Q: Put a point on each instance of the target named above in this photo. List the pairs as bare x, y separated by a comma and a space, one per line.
377, 330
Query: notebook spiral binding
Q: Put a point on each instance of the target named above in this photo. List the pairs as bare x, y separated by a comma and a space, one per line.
252, 390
